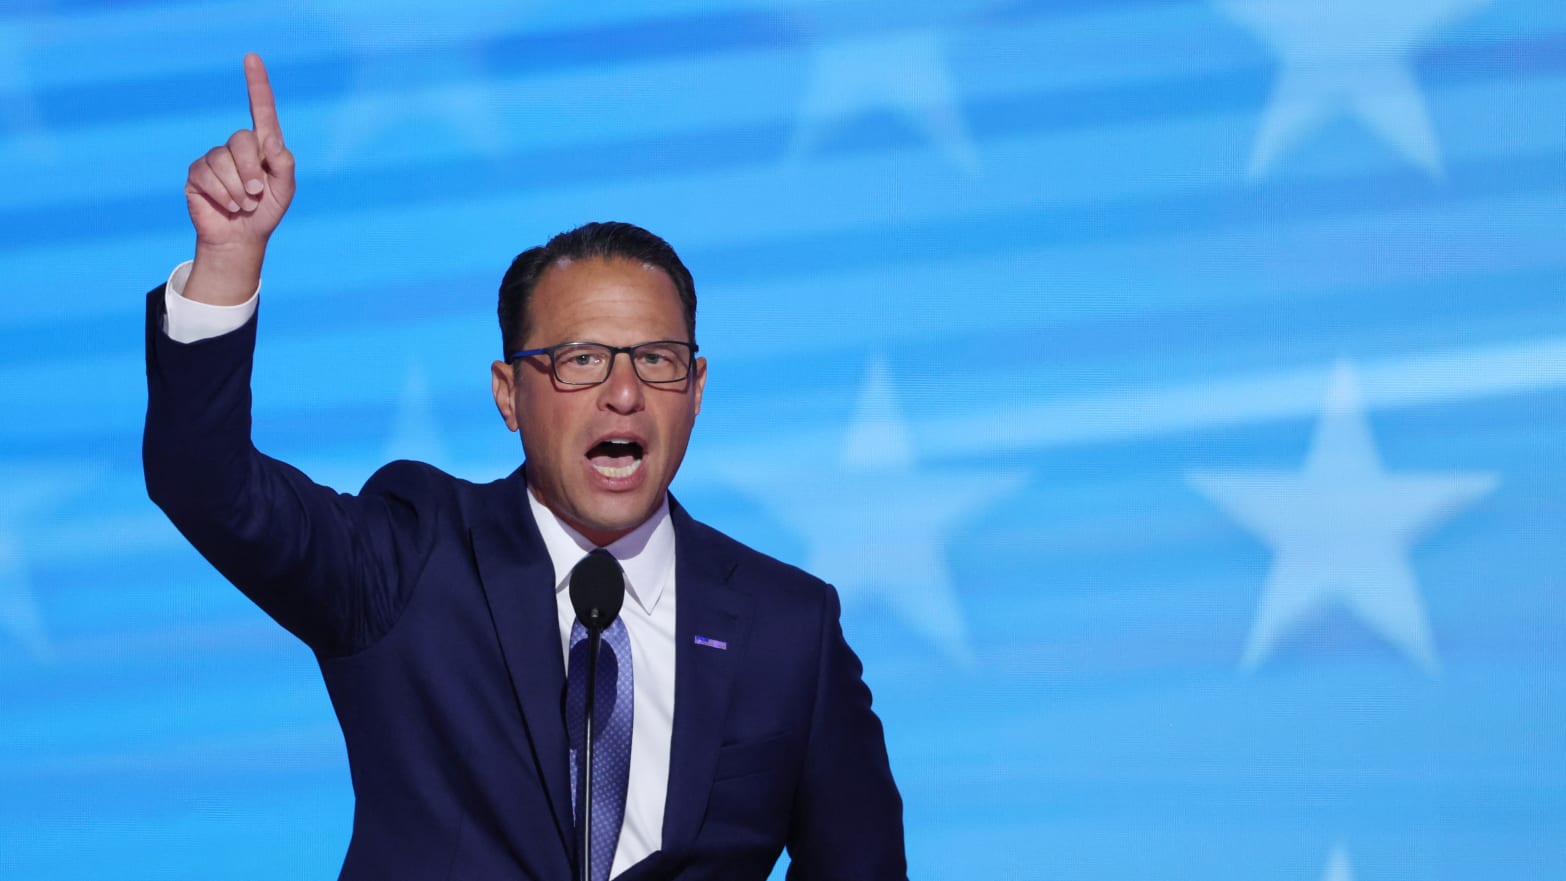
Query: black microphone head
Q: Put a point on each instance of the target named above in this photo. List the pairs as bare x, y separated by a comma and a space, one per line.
597, 590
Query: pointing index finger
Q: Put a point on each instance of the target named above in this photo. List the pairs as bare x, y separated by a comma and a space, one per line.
263, 108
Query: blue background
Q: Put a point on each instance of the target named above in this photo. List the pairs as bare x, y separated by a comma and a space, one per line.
1174, 391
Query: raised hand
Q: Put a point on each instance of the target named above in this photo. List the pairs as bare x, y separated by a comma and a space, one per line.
237, 193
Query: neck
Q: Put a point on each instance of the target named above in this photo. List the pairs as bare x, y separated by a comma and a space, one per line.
598, 537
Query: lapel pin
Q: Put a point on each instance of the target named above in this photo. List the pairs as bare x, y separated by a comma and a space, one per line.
711, 643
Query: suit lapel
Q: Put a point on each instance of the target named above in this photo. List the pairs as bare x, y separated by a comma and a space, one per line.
518, 581
707, 606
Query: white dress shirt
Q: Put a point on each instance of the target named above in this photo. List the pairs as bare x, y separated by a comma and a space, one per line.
187, 321
647, 556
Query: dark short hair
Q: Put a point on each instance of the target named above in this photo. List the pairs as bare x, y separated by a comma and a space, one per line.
610, 240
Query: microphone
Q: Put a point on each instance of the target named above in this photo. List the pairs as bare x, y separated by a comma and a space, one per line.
597, 592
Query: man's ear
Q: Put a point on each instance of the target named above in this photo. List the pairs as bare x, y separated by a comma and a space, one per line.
699, 375
502, 381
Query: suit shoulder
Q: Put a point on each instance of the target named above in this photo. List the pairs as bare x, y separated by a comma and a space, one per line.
405, 478
748, 566
420, 484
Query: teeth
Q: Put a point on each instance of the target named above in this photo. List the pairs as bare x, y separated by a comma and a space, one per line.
623, 471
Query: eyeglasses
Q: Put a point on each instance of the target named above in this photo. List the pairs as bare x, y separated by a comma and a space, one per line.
662, 361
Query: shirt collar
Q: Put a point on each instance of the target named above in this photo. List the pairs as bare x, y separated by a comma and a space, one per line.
646, 553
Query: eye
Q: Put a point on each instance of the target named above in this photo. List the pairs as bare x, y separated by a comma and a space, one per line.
579, 356
659, 355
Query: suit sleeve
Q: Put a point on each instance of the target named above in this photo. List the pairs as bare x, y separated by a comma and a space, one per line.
331, 568
848, 815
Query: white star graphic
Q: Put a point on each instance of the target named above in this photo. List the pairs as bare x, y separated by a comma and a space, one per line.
1346, 57
414, 433
1338, 867
876, 525
30, 490
20, 618
418, 434
1340, 529
419, 71
905, 72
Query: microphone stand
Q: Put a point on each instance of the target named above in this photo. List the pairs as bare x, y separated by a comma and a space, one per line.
597, 591
584, 770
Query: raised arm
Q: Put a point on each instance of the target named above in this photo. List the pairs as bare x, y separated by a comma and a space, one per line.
331, 568
237, 193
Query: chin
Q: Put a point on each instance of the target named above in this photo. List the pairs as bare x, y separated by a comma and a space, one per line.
620, 520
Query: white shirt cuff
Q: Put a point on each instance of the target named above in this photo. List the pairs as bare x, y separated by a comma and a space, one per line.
187, 321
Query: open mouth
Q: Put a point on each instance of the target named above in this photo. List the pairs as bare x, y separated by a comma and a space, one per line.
616, 457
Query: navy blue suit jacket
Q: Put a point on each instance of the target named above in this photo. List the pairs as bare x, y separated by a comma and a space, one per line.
429, 603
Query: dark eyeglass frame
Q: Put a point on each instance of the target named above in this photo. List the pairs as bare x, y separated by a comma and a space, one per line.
630, 352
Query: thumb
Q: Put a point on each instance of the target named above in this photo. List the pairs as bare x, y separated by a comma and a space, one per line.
279, 159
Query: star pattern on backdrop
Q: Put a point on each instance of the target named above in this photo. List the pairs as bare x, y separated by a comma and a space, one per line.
1346, 58
31, 491
877, 524
1340, 529
903, 72
414, 432
420, 69
417, 433
1338, 866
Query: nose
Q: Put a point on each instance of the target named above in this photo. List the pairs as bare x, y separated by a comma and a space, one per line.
622, 392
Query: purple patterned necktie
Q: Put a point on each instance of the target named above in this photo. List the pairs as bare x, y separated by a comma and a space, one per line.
612, 706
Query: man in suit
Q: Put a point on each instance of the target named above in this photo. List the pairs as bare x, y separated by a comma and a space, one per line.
438, 609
